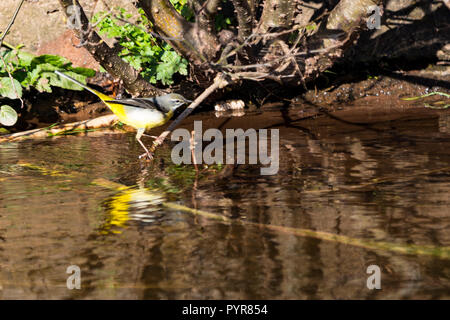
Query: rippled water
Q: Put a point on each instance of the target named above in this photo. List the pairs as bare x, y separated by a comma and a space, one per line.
380, 180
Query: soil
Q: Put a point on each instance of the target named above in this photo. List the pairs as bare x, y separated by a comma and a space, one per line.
399, 84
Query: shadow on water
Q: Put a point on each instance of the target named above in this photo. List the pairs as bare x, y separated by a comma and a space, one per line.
367, 177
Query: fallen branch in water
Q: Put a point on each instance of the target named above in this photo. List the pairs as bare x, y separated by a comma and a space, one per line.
411, 249
75, 127
440, 252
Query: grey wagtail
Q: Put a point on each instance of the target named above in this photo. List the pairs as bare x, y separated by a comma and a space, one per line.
140, 113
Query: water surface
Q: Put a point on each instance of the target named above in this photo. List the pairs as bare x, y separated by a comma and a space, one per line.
372, 174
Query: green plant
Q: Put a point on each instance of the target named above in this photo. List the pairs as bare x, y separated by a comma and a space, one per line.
222, 22
183, 8
8, 116
155, 60
437, 105
20, 69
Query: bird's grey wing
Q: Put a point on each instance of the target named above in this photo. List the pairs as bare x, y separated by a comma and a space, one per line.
144, 103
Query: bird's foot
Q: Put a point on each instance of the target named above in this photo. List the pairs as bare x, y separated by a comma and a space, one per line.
158, 141
147, 155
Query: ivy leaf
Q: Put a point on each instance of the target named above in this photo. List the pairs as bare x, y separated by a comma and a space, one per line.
8, 116
8, 90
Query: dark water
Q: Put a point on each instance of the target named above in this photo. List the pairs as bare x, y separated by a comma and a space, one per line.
373, 177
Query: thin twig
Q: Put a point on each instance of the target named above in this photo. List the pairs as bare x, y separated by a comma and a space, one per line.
11, 22
12, 82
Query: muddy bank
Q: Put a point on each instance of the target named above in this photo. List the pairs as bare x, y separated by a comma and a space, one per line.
69, 106
396, 84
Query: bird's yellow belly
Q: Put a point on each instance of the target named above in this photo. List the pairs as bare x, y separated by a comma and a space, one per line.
142, 118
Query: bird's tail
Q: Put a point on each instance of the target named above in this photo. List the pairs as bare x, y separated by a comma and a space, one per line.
97, 93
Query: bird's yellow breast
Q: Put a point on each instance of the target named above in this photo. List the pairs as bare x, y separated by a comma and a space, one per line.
140, 117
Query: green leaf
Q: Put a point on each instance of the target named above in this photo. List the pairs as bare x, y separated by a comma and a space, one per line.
47, 78
155, 60
8, 116
36, 74
8, 57
67, 84
311, 27
50, 59
427, 95
10, 90
25, 58
86, 72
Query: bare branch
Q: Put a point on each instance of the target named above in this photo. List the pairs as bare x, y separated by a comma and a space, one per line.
245, 17
80, 126
106, 56
198, 45
277, 14
11, 22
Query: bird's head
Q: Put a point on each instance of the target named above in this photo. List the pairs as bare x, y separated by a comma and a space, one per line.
172, 100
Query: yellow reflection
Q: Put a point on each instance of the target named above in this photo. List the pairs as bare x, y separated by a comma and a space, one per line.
128, 202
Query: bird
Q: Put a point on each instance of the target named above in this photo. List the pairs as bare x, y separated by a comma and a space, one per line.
140, 113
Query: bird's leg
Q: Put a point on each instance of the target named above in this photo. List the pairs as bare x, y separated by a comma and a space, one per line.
146, 135
147, 153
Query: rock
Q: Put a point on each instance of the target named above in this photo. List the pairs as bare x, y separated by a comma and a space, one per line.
65, 45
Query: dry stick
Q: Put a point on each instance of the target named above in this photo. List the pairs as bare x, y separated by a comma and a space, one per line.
193, 144
11, 22
220, 82
100, 122
108, 120
412, 249
105, 121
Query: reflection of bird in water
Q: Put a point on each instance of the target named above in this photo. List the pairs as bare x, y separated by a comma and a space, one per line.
132, 204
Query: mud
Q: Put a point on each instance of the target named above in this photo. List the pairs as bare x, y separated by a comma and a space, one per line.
399, 84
